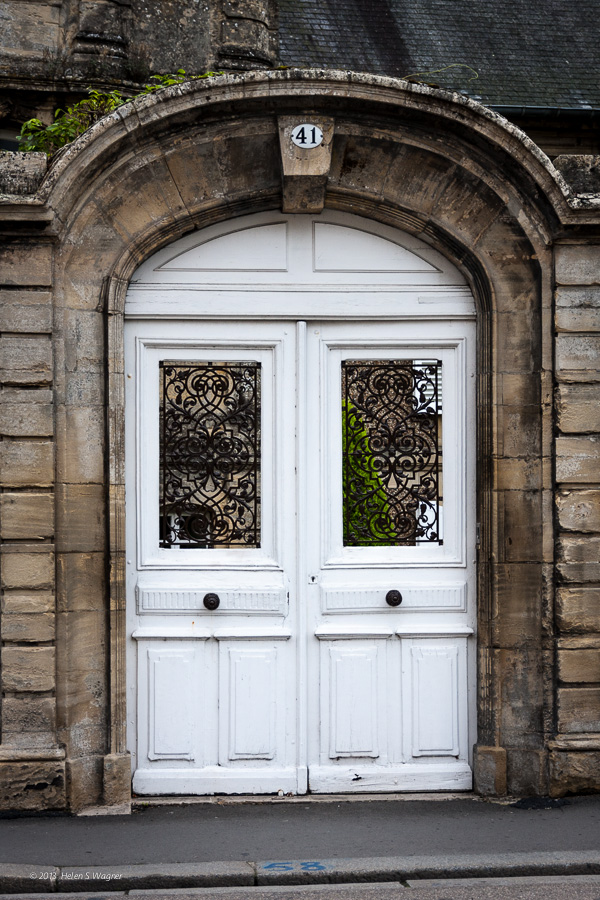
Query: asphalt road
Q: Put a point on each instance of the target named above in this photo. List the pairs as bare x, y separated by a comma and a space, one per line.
299, 830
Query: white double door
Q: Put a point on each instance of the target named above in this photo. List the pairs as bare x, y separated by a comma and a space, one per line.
304, 476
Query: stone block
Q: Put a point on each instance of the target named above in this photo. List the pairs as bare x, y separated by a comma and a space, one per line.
578, 510
26, 516
117, 779
520, 431
489, 769
24, 568
580, 666
80, 433
518, 350
522, 525
21, 173
517, 614
84, 781
527, 773
578, 408
578, 353
32, 785
518, 474
28, 714
85, 388
28, 669
521, 697
26, 359
578, 557
26, 311
28, 627
577, 264
25, 413
581, 171
26, 264
81, 581
19, 602
578, 459
577, 309
80, 517
84, 340
574, 772
520, 390
305, 172
578, 609
578, 709
26, 463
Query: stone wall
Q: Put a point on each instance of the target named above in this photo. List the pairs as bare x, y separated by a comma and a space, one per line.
575, 756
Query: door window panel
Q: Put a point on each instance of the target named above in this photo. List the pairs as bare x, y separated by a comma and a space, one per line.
392, 452
210, 474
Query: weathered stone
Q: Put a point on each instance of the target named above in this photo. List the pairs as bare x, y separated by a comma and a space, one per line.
25, 413
82, 430
579, 510
32, 785
26, 516
22, 173
28, 714
117, 779
84, 781
26, 359
28, 627
578, 459
522, 525
526, 773
581, 171
578, 408
578, 609
578, 709
517, 615
577, 309
574, 772
80, 517
579, 557
520, 431
25, 569
27, 602
489, 769
578, 264
81, 581
521, 705
28, 668
26, 311
578, 353
518, 474
26, 463
580, 666
26, 264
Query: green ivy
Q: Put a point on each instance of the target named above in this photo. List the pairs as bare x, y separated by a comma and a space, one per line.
71, 122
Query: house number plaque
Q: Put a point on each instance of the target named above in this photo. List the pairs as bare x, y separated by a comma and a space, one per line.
307, 136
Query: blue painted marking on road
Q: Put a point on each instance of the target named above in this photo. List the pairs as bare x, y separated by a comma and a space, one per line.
302, 866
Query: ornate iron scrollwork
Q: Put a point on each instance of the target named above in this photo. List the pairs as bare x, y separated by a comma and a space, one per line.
210, 454
392, 452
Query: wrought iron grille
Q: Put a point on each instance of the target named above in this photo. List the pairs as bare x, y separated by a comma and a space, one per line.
392, 462
210, 454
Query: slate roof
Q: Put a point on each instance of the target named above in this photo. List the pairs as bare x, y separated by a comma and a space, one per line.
533, 53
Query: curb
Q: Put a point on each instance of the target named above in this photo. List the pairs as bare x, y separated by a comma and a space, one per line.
29, 879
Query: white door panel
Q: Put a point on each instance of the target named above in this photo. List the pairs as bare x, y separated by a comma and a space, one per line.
309, 459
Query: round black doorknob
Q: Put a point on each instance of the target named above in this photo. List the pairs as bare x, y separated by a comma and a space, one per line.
393, 598
211, 601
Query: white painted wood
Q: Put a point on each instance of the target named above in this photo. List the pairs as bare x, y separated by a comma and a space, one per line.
337, 248
303, 678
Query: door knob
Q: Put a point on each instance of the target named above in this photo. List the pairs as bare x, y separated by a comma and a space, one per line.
393, 598
211, 601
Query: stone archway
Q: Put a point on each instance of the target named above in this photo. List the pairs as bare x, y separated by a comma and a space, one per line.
200, 154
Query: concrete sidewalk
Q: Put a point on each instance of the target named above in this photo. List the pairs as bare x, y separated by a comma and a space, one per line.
229, 842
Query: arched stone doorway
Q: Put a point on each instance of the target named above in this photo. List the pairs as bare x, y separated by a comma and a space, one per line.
200, 155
